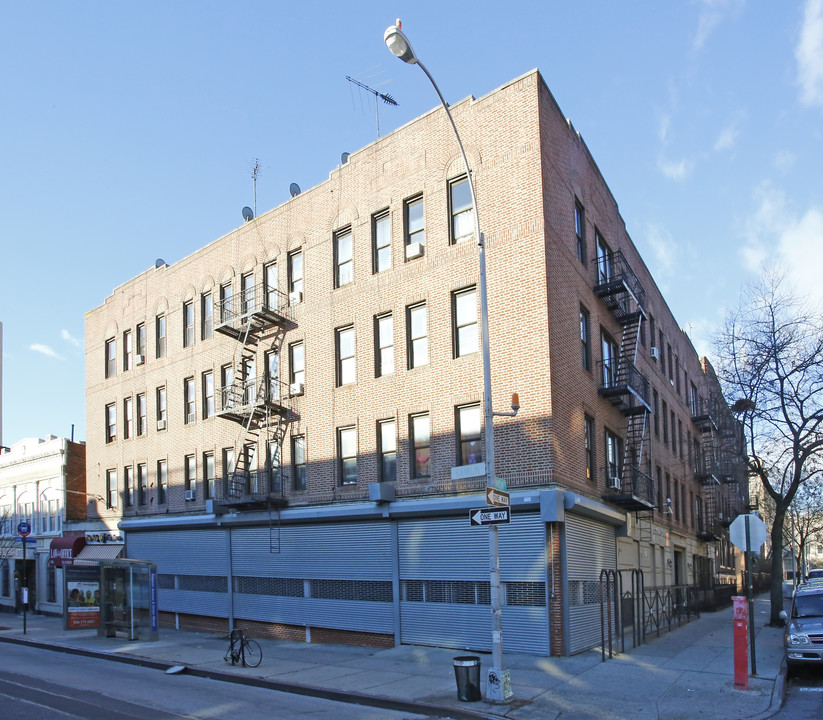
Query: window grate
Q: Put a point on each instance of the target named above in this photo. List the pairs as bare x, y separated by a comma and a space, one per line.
203, 583
282, 587
364, 590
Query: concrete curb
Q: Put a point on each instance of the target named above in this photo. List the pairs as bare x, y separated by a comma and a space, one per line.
353, 698
777, 695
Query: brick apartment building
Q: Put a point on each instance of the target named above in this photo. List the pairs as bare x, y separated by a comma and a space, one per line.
282, 420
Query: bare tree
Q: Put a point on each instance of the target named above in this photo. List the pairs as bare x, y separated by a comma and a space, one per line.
770, 354
806, 519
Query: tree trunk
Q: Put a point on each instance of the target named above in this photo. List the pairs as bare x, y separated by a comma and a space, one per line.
777, 566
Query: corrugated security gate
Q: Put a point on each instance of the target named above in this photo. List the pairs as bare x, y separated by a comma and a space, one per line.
590, 547
445, 589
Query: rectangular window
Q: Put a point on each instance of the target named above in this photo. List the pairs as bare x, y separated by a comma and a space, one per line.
677, 374
295, 270
270, 286
162, 482
605, 260
469, 436
111, 358
347, 455
206, 316
228, 462
421, 440
413, 215
694, 402
128, 418
651, 333
464, 322
161, 408
656, 413
189, 477
676, 500
381, 242
142, 484
188, 401
128, 357
208, 394
588, 429
226, 313
461, 210
671, 365
346, 362
674, 437
247, 304
585, 339
272, 360
188, 324
160, 336
661, 501
665, 414
343, 258
298, 462
387, 450
614, 456
128, 482
226, 383
580, 231
208, 474
249, 370
111, 488
610, 358
297, 368
384, 345
418, 335
111, 423
141, 344
660, 351
680, 437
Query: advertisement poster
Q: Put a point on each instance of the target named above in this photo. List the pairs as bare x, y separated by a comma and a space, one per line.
82, 598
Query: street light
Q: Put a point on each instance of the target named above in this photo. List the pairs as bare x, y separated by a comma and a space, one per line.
498, 686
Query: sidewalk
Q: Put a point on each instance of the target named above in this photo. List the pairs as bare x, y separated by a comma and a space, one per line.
683, 674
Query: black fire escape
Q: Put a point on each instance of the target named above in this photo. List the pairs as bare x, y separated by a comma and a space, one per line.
258, 402
628, 469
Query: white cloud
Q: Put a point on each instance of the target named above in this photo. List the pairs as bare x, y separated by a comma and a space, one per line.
727, 138
67, 336
809, 54
45, 350
712, 13
664, 249
674, 170
798, 244
784, 161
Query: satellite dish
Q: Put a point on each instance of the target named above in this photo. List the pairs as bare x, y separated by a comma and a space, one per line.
344, 158
248, 215
294, 189
159, 263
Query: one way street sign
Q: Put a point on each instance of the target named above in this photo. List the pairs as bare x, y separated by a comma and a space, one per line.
487, 516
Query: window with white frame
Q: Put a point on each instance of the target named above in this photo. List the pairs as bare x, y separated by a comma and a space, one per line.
461, 210
418, 335
387, 449
128, 357
415, 225
188, 401
189, 476
273, 375
162, 482
141, 343
605, 260
381, 241
247, 304
343, 258
161, 408
206, 316
470, 445
226, 313
111, 422
384, 344
297, 367
298, 462
208, 474
141, 414
208, 394
111, 358
613, 456
346, 362
128, 418
270, 286
347, 455
588, 432
585, 339
111, 488
580, 231
295, 276
160, 336
610, 356
128, 486
464, 320
420, 432
188, 324
142, 484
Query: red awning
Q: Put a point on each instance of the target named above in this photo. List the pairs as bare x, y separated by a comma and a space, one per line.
63, 550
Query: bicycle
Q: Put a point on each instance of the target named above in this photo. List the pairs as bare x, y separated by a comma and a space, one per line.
242, 649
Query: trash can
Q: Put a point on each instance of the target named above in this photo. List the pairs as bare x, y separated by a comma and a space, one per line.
467, 675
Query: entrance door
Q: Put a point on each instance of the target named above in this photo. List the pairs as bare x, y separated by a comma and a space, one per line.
679, 568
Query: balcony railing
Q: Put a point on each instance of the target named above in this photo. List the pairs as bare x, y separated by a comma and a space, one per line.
261, 305
244, 397
624, 385
632, 490
613, 278
250, 486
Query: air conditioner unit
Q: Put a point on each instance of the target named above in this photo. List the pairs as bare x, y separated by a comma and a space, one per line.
296, 388
190, 418
295, 298
189, 494
613, 482
654, 352
161, 424
139, 359
414, 250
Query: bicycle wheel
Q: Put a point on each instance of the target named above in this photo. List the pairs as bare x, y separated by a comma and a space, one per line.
253, 653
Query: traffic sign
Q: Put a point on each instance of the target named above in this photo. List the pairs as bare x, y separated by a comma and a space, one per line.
26, 539
487, 516
24, 528
497, 497
757, 532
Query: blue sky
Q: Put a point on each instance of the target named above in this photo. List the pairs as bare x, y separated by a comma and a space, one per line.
128, 132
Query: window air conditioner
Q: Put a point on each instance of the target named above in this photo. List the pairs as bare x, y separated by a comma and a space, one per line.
161, 424
190, 418
613, 482
654, 352
414, 250
189, 494
295, 298
139, 359
297, 388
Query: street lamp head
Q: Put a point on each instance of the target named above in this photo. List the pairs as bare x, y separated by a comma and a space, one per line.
399, 44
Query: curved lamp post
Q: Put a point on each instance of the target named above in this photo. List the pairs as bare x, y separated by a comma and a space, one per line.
498, 686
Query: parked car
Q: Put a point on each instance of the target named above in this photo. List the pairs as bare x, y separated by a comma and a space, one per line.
816, 574
803, 635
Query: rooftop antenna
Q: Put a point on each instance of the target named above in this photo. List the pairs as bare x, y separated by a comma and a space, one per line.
385, 97
255, 171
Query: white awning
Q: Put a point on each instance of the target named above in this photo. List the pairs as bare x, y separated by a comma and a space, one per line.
92, 553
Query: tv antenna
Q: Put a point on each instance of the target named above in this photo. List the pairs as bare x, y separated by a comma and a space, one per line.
385, 97
255, 171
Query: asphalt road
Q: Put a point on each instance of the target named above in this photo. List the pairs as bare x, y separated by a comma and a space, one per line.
44, 685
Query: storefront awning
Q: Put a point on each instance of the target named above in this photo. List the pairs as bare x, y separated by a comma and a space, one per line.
92, 553
64, 550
